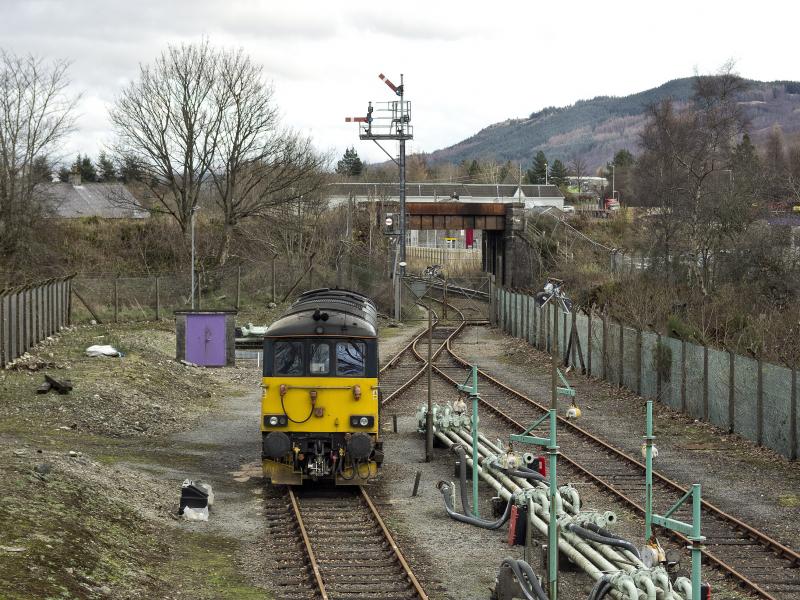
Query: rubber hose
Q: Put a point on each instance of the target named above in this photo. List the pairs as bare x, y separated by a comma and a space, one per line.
601, 530
522, 472
462, 478
444, 488
601, 588
524, 574
533, 580
601, 539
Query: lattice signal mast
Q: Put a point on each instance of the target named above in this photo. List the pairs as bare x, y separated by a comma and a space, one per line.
391, 121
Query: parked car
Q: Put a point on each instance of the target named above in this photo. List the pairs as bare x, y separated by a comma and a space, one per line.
567, 208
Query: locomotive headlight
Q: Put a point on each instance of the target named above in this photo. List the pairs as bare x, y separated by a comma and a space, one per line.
273, 421
363, 421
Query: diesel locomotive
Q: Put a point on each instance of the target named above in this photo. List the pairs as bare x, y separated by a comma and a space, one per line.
320, 410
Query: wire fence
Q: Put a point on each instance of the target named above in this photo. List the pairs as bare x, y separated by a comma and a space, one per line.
456, 261
753, 398
31, 313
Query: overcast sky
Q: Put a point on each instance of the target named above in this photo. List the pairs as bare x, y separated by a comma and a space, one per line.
467, 64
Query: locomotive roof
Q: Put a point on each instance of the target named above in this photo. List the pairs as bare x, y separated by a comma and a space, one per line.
349, 314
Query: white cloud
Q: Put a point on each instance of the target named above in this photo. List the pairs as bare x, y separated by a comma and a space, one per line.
467, 64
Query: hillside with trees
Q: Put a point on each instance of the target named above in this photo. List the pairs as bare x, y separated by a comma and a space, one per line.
597, 128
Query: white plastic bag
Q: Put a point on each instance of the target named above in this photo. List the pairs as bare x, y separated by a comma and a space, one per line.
97, 350
195, 514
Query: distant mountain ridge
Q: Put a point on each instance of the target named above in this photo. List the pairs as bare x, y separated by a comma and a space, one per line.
595, 129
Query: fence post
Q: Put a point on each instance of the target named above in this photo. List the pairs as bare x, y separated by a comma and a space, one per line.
683, 376
492, 302
589, 342
658, 366
116, 299
793, 418
705, 383
238, 285
2, 330
760, 405
731, 392
158, 298
639, 362
69, 301
604, 354
621, 354
571, 343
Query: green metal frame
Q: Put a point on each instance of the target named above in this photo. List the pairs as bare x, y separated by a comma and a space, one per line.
472, 390
552, 529
692, 531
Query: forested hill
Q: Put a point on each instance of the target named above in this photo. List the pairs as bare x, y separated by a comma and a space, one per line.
595, 129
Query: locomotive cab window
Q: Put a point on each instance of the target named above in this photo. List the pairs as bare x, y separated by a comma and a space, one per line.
288, 358
320, 361
351, 358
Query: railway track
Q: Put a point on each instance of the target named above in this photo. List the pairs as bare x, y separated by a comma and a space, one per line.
350, 553
760, 564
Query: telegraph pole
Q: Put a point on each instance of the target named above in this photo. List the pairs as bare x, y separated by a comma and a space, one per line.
391, 121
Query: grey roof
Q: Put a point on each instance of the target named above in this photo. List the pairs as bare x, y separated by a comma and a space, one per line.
106, 200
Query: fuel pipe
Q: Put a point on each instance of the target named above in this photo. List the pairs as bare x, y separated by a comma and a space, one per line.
612, 558
528, 582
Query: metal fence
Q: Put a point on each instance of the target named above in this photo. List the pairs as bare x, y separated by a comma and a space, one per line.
456, 261
30, 313
753, 398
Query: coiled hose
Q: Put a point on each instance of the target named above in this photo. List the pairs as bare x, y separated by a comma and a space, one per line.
528, 582
601, 588
444, 487
603, 539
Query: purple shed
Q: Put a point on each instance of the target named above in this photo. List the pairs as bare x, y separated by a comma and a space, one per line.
206, 337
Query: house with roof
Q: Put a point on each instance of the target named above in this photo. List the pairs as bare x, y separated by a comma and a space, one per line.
75, 199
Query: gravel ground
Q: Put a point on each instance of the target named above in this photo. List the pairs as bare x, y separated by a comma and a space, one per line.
752, 483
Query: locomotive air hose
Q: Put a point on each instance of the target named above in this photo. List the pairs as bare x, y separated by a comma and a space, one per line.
444, 487
286, 414
601, 539
528, 582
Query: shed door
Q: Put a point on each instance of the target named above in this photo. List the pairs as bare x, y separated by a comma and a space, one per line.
205, 340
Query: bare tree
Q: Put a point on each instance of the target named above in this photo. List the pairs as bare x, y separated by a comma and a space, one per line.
682, 172
169, 122
36, 112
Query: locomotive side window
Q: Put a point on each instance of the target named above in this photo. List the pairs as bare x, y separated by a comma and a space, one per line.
320, 361
288, 358
351, 358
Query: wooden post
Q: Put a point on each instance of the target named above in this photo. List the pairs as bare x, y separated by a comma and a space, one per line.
158, 298
2, 330
69, 301
705, 383
238, 286
116, 299
731, 392
793, 418
274, 256
492, 301
621, 354
760, 404
683, 375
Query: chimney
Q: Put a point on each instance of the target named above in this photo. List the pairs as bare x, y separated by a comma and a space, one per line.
75, 178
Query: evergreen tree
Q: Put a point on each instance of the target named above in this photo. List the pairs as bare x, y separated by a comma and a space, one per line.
473, 171
83, 165
538, 173
350, 164
63, 174
746, 167
130, 170
558, 173
42, 170
106, 168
